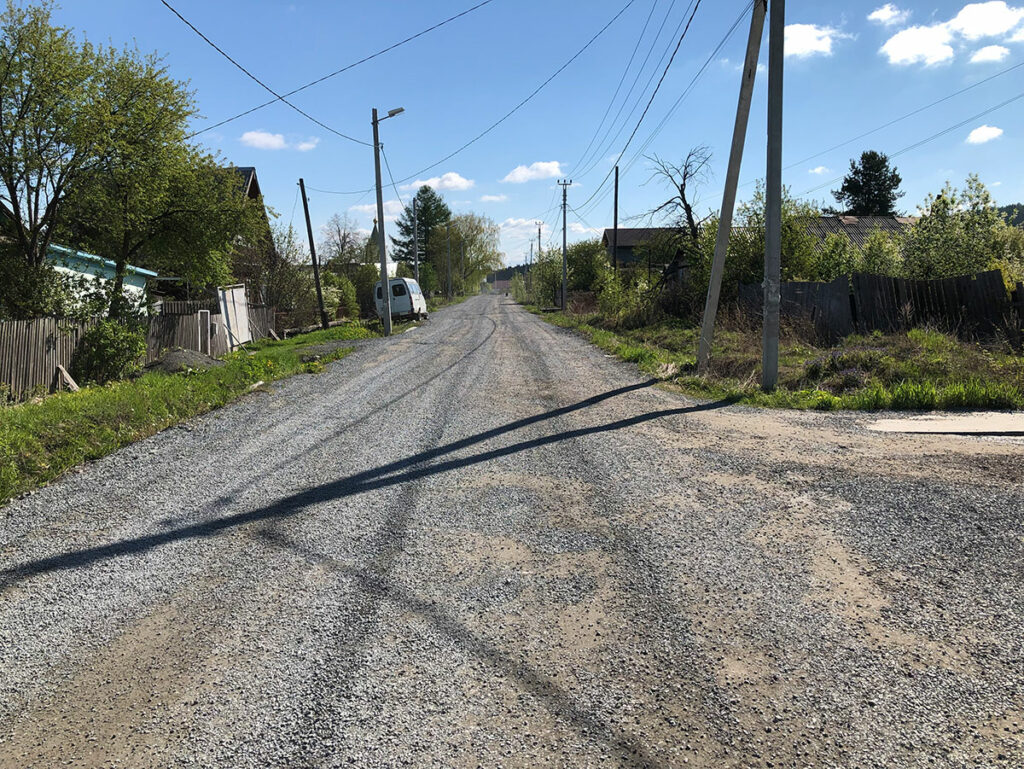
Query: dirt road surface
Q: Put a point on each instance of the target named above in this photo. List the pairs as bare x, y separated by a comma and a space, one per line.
484, 543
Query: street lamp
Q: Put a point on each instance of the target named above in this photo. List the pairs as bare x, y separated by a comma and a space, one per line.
385, 284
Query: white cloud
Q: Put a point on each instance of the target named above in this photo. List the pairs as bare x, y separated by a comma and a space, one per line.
977, 20
392, 208
1019, 37
984, 133
581, 229
448, 181
818, 171
889, 15
990, 53
262, 140
920, 45
520, 228
493, 198
933, 44
540, 170
803, 40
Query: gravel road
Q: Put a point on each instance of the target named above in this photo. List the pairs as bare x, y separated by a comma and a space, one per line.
485, 543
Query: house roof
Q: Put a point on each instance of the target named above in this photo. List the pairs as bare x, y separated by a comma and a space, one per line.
629, 237
858, 228
63, 252
250, 184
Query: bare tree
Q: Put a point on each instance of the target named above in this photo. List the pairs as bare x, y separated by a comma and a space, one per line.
342, 240
683, 178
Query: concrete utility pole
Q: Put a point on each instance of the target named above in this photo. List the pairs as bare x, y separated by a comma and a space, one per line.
565, 183
773, 199
385, 284
539, 249
739, 133
415, 243
529, 268
615, 226
312, 253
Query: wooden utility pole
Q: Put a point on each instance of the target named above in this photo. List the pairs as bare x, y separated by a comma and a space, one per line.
385, 283
565, 184
615, 226
773, 199
312, 253
415, 243
739, 133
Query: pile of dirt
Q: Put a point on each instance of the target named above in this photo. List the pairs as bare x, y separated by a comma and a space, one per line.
177, 360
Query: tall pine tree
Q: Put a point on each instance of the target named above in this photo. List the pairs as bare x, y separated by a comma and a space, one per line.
431, 212
871, 188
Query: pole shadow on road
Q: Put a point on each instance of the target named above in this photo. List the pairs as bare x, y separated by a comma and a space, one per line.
381, 588
405, 470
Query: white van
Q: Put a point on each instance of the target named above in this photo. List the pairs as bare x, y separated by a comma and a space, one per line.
406, 299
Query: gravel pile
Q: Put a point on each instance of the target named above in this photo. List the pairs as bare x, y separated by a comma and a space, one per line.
488, 544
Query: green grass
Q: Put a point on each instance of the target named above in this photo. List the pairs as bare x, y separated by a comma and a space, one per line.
920, 370
42, 440
437, 302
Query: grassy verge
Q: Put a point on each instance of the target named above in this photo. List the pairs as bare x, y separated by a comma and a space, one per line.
437, 302
40, 441
920, 370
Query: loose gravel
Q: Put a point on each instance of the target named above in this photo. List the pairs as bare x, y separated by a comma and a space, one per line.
485, 543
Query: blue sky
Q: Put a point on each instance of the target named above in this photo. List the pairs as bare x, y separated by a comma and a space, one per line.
850, 67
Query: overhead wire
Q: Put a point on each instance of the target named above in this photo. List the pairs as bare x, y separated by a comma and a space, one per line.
650, 101
931, 138
263, 85
336, 72
392, 178
508, 114
675, 106
607, 143
618, 88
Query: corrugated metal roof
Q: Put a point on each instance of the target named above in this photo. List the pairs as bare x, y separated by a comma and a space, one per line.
57, 253
858, 228
630, 237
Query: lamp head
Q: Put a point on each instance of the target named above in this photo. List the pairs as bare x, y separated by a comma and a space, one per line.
396, 111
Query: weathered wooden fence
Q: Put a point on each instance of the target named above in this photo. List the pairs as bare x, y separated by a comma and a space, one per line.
968, 304
31, 350
827, 305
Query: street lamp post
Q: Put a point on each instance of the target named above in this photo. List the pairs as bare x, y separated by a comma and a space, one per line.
385, 284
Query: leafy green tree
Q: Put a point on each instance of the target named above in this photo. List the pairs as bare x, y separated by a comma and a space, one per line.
53, 124
961, 231
870, 188
586, 261
153, 200
882, 253
432, 213
838, 256
470, 234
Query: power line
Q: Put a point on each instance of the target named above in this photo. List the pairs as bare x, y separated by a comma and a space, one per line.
904, 117
266, 87
931, 138
392, 178
345, 68
507, 115
604, 146
618, 88
675, 106
649, 102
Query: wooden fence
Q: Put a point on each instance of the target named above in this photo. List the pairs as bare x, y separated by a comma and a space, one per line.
968, 305
31, 350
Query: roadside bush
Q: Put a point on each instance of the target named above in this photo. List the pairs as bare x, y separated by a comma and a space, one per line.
365, 281
518, 288
110, 350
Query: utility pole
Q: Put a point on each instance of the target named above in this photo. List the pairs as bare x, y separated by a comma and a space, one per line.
539, 249
773, 199
415, 243
448, 231
529, 268
615, 226
462, 269
739, 133
385, 284
565, 183
312, 253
